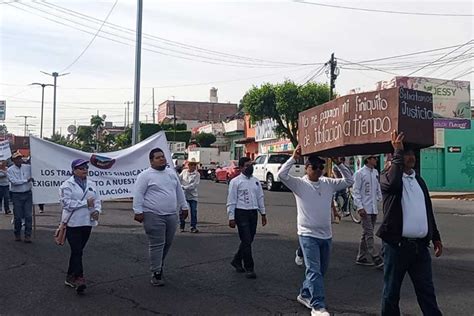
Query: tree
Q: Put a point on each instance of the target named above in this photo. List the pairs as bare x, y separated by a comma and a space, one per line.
3, 129
283, 102
205, 139
58, 139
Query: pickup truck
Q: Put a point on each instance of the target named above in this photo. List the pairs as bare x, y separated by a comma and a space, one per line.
266, 168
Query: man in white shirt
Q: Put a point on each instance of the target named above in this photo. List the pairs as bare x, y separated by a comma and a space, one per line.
314, 194
190, 178
157, 197
19, 175
245, 198
366, 193
407, 229
4, 187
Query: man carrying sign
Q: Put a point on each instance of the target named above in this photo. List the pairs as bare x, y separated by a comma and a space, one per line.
314, 194
407, 229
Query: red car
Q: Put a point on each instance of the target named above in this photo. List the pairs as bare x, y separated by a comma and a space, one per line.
227, 172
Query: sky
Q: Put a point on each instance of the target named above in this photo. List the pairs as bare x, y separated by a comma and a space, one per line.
191, 46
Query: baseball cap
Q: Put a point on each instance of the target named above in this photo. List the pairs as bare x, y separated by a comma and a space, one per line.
78, 162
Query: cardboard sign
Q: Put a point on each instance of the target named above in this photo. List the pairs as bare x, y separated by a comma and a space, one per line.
361, 124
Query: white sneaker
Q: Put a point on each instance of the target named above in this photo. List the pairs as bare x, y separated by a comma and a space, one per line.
298, 260
319, 312
303, 301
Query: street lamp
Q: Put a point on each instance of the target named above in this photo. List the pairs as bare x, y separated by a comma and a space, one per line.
42, 102
55, 75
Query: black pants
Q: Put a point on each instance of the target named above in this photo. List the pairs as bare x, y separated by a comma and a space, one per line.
77, 238
5, 196
246, 221
412, 257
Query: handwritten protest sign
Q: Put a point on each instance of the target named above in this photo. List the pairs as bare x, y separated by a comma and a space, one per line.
361, 123
5, 151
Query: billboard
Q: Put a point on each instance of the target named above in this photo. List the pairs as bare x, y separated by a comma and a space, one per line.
451, 98
362, 123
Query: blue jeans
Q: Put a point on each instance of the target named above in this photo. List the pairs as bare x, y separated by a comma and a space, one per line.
193, 210
22, 208
412, 257
316, 258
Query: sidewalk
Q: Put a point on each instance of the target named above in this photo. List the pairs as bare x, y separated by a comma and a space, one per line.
453, 195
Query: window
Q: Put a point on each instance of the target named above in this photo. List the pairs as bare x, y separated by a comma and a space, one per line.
260, 159
278, 158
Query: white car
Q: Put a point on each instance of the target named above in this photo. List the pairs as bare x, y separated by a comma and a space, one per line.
266, 168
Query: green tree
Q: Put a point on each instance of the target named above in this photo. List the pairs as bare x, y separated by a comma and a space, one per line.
283, 102
124, 140
3, 129
58, 139
205, 139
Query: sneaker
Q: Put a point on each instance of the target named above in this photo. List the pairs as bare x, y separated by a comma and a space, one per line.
156, 279
80, 283
250, 274
319, 312
299, 260
194, 230
364, 262
8, 212
182, 229
336, 220
304, 301
17, 238
70, 281
378, 263
27, 240
238, 266
41, 211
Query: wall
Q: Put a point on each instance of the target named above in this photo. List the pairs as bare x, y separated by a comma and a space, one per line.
444, 170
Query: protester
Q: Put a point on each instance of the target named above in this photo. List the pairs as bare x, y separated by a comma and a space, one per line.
190, 178
314, 195
244, 200
157, 197
366, 193
19, 175
81, 206
4, 187
407, 229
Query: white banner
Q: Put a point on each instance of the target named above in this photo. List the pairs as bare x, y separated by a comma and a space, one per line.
114, 173
5, 151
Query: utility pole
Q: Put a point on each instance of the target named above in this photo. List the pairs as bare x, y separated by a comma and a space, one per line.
127, 115
43, 85
26, 121
55, 75
138, 53
333, 73
153, 101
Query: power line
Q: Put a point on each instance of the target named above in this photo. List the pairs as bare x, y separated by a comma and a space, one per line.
187, 56
448, 53
160, 39
384, 11
365, 66
449, 62
92, 40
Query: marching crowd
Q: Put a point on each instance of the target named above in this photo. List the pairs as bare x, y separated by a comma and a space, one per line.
162, 200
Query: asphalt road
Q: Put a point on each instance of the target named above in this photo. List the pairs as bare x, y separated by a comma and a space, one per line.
200, 280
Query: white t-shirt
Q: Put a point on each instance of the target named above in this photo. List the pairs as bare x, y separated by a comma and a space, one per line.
313, 199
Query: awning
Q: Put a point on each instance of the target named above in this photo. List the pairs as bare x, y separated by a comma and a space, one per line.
246, 140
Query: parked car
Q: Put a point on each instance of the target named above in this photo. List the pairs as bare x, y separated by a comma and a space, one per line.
227, 172
179, 159
267, 166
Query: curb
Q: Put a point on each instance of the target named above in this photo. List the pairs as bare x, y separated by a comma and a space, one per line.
465, 197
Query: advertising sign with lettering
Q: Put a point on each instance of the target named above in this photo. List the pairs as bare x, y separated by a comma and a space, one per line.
451, 98
360, 124
114, 173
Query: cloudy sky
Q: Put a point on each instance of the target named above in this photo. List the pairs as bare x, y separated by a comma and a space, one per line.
191, 46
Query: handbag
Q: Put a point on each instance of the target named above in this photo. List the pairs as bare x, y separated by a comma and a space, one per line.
60, 233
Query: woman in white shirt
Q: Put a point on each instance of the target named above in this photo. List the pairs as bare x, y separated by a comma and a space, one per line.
81, 206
